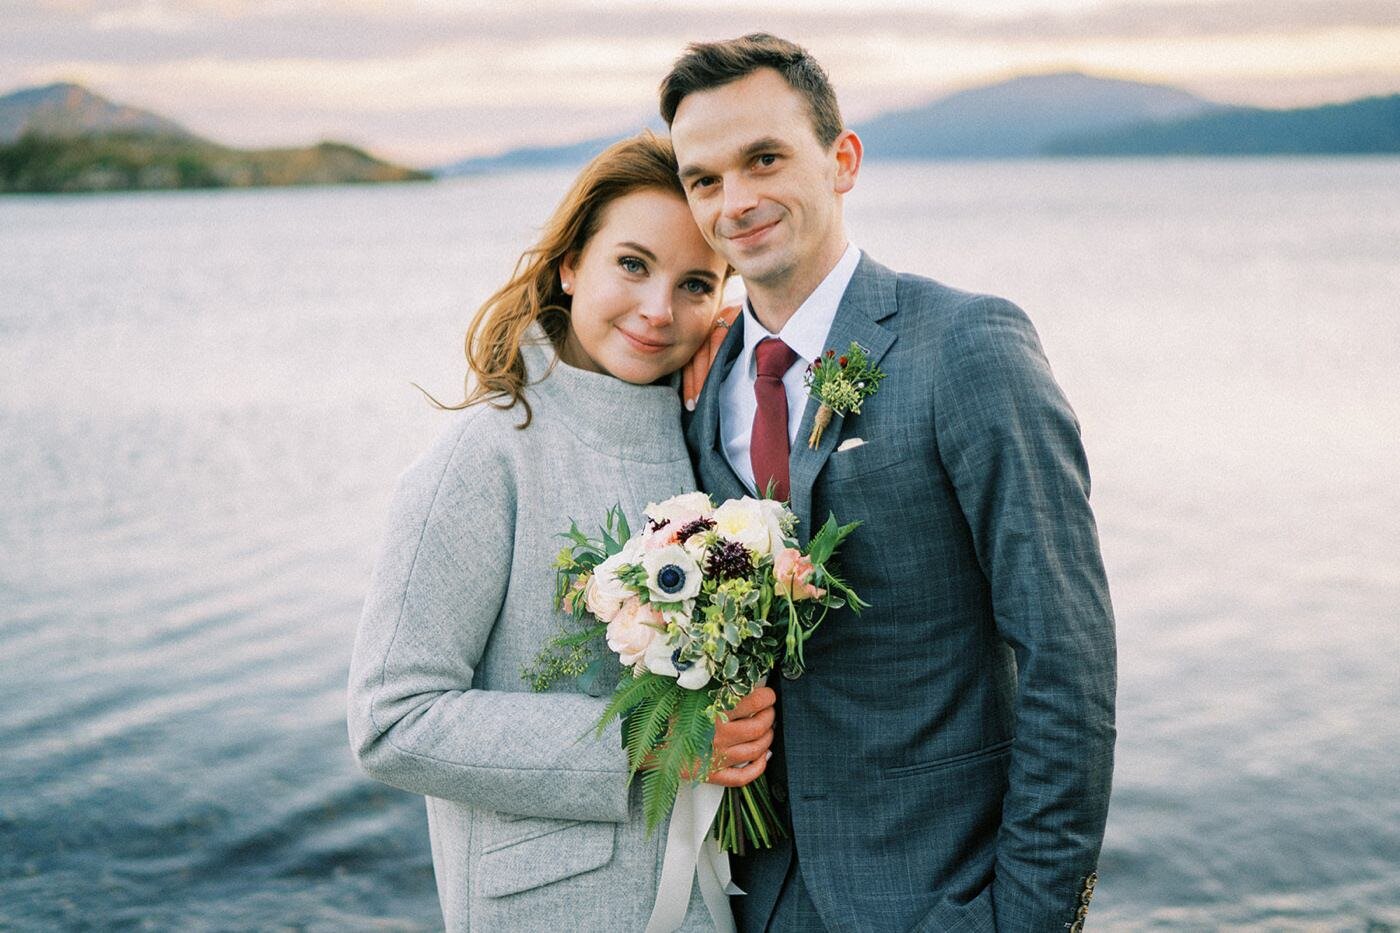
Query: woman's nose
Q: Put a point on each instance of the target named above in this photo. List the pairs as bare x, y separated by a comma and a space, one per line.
656, 307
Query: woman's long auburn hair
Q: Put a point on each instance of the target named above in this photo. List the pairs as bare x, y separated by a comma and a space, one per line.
496, 367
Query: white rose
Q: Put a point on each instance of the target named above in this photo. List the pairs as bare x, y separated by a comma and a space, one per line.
695, 547
672, 574
752, 523
779, 518
605, 592
632, 631
680, 510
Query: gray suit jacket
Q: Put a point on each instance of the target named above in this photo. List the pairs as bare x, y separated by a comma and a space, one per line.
946, 759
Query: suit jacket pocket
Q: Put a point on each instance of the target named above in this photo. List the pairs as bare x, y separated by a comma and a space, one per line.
548, 851
875, 454
924, 767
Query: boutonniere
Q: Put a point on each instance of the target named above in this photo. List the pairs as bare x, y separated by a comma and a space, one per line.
841, 384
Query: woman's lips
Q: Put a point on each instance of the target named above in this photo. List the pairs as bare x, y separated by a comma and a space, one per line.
642, 345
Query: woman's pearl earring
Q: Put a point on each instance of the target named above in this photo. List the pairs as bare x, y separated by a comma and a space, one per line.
568, 287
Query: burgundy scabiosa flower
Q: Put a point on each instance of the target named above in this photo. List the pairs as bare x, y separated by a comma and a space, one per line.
694, 528
728, 560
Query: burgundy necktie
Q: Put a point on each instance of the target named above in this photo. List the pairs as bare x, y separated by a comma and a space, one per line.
768, 445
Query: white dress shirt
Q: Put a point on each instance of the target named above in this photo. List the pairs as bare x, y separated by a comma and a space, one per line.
805, 332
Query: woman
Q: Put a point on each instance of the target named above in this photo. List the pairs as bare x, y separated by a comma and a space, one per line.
532, 820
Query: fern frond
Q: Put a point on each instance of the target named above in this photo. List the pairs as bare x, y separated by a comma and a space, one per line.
647, 725
631, 690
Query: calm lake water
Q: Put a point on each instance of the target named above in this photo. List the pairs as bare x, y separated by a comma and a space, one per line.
205, 400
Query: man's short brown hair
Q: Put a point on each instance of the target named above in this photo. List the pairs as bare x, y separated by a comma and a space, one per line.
708, 65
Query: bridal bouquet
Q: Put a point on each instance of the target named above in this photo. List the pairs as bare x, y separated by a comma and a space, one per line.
699, 607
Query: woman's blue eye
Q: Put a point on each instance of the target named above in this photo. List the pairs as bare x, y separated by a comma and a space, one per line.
697, 286
632, 265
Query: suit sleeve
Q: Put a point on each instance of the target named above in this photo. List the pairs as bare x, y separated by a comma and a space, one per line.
1011, 444
437, 589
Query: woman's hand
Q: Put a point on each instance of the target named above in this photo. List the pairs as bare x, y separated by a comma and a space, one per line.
694, 372
740, 749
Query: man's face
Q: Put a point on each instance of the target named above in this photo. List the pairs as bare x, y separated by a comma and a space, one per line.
764, 191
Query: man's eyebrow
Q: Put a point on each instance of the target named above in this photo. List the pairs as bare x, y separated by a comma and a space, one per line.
637, 247
766, 144
758, 146
689, 171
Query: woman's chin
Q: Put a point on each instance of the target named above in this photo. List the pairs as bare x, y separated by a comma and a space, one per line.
644, 372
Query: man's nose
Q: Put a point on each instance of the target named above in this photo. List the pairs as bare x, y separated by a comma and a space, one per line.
739, 198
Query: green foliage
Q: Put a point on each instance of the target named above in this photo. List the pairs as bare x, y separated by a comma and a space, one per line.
567, 657
842, 383
129, 161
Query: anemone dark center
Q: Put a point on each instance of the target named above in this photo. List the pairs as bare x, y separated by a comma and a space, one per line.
671, 579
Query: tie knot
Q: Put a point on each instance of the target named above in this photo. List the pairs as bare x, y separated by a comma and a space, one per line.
774, 357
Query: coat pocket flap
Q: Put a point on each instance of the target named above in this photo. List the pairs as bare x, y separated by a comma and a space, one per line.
544, 859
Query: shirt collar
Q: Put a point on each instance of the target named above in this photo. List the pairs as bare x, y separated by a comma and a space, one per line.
806, 330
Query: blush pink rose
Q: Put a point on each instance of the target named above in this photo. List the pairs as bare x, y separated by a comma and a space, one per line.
793, 574
632, 630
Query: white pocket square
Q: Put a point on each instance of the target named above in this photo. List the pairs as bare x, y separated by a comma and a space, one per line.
850, 443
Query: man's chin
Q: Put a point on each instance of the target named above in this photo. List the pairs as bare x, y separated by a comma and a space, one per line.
761, 271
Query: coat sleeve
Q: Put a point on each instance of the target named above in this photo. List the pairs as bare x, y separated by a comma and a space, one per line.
1011, 444
415, 720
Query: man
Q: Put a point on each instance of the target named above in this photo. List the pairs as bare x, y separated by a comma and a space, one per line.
945, 760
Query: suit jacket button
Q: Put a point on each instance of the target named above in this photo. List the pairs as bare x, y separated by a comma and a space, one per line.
778, 790
791, 674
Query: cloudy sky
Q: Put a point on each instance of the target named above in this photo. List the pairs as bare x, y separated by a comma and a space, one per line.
428, 81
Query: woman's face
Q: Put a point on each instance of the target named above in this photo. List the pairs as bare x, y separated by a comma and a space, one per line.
645, 290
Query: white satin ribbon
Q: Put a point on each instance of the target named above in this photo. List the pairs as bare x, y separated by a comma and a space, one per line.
692, 853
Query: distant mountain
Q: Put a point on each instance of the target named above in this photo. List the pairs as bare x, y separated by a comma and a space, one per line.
530, 157
1360, 127
1011, 118
1020, 116
62, 138
68, 110
527, 157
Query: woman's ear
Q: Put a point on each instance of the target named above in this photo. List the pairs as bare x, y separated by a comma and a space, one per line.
566, 272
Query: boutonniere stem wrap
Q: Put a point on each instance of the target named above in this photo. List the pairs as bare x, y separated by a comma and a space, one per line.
841, 384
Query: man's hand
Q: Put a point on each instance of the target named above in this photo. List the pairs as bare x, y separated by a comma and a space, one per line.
740, 750
694, 373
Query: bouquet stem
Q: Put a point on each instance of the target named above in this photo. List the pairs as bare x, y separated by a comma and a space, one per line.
747, 819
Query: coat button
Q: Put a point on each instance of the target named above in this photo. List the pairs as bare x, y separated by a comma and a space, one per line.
778, 790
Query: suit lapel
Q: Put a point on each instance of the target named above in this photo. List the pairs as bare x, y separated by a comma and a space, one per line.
869, 299
717, 475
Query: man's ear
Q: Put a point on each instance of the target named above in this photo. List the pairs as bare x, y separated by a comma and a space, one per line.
847, 150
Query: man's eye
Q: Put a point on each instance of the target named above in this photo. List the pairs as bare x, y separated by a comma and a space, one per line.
767, 159
632, 264
706, 182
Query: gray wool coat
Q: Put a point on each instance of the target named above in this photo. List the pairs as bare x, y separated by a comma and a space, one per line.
532, 822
